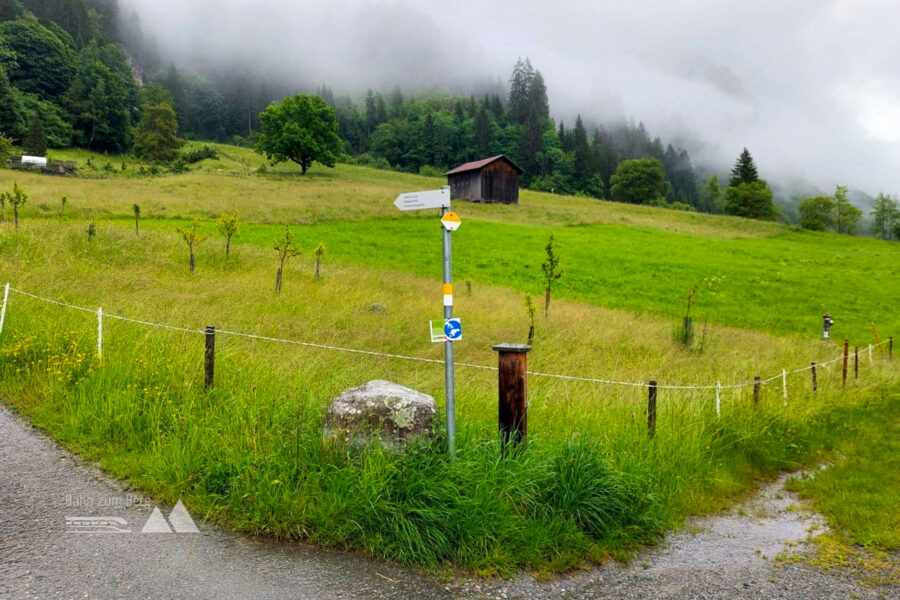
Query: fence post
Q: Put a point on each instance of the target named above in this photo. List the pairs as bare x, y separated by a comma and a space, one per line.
815, 381
512, 397
651, 410
856, 362
210, 355
846, 359
100, 332
870, 353
718, 399
891, 348
3, 310
784, 394
756, 387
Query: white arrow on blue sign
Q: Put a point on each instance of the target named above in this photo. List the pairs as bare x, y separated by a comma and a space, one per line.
453, 329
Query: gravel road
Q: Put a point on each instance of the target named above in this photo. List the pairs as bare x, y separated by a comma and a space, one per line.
42, 555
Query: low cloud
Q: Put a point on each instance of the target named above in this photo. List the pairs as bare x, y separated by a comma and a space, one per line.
811, 87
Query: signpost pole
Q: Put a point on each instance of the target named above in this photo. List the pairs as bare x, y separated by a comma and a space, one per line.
448, 345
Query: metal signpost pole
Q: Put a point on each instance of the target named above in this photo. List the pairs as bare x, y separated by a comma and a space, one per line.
448, 345
452, 329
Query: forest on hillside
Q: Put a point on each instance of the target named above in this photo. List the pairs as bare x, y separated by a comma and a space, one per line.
75, 69
78, 72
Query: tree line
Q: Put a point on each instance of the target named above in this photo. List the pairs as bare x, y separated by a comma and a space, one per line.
66, 79
436, 133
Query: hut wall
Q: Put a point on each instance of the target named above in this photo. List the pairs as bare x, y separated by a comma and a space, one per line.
466, 186
500, 183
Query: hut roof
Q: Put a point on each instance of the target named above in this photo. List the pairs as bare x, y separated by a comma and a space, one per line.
478, 164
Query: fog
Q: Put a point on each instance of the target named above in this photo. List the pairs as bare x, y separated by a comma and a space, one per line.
811, 87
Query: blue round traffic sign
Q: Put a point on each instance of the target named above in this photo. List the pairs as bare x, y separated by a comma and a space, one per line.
453, 329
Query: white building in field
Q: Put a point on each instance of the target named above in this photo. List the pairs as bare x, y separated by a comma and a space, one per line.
34, 160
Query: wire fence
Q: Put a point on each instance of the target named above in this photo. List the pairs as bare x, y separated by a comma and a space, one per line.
718, 387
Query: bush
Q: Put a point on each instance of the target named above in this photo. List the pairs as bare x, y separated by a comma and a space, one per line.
429, 171
194, 156
374, 162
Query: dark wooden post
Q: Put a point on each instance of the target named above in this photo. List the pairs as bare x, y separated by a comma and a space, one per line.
756, 387
846, 362
815, 381
210, 355
891, 348
513, 403
651, 410
856, 362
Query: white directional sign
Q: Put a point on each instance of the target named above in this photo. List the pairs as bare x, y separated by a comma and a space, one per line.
422, 200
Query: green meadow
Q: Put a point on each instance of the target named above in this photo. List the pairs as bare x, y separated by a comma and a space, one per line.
588, 485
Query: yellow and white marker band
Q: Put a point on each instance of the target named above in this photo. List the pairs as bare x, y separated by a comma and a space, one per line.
448, 294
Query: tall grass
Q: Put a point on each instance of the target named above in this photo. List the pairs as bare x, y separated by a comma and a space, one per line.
249, 452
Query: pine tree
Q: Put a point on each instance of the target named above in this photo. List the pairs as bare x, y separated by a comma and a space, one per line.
604, 158
35, 142
537, 92
483, 132
531, 144
744, 170
519, 93
396, 103
155, 139
428, 145
381, 114
582, 159
712, 195
371, 116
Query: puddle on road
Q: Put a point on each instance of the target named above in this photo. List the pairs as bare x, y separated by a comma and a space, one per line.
749, 535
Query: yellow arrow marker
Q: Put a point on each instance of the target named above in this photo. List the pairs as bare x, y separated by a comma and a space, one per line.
448, 294
451, 221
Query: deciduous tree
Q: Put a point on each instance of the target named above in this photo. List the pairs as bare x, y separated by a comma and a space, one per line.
751, 200
885, 214
639, 181
192, 237
848, 215
228, 225
817, 213
286, 248
16, 198
302, 129
552, 273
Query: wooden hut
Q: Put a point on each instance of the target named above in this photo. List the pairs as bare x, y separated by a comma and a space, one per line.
494, 179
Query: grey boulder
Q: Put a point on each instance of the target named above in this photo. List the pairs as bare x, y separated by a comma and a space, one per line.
398, 414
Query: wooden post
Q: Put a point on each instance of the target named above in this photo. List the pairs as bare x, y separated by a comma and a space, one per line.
814, 380
856, 363
210, 355
846, 362
756, 387
513, 404
651, 411
688, 330
891, 348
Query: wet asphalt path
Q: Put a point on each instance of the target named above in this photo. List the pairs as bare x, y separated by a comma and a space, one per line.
727, 556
